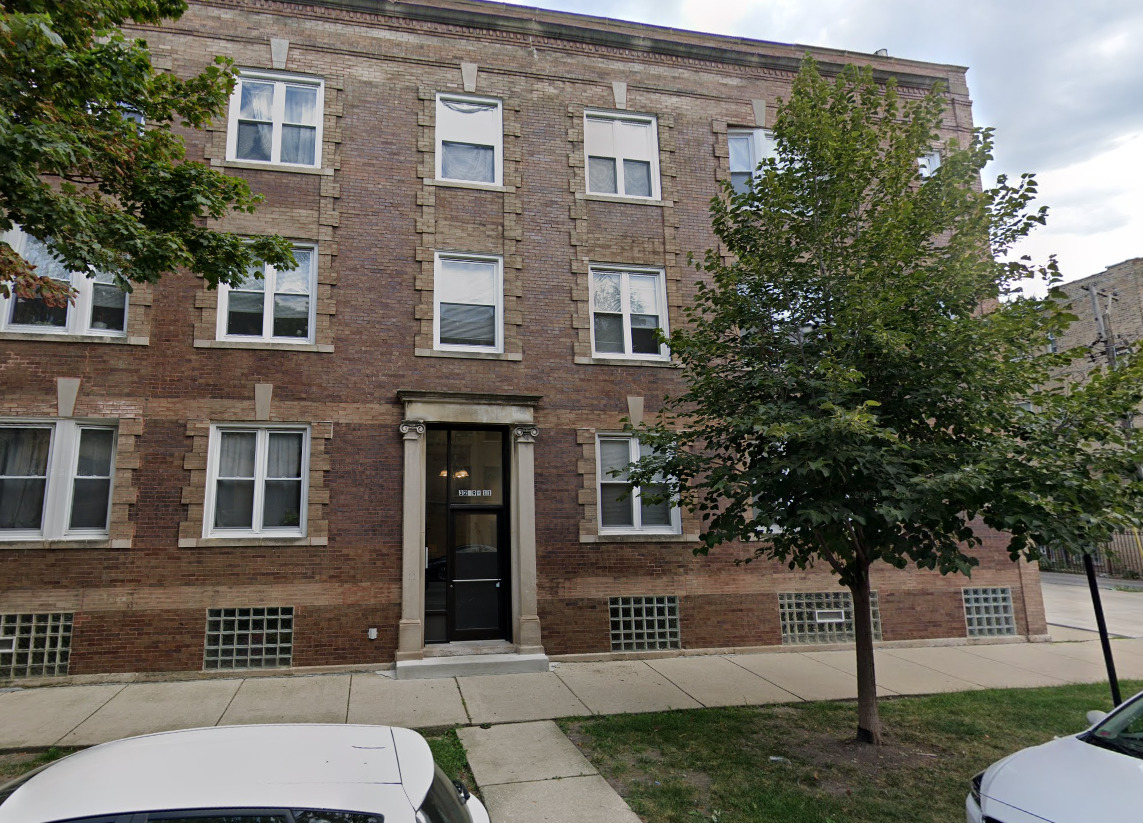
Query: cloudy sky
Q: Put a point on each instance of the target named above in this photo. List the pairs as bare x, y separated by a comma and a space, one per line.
1061, 81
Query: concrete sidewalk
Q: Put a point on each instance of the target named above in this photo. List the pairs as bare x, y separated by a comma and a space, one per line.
526, 770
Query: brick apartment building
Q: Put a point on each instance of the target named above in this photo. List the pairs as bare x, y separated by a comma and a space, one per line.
399, 451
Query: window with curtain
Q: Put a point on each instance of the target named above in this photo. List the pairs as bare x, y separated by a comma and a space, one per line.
270, 304
748, 148
100, 306
622, 154
627, 307
276, 119
55, 479
469, 139
468, 295
258, 481
622, 506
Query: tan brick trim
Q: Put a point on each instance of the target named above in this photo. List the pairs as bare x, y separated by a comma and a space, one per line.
124, 493
428, 240
584, 245
314, 225
194, 493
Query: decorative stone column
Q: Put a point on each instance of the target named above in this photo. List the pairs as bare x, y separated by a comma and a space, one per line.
526, 632
411, 635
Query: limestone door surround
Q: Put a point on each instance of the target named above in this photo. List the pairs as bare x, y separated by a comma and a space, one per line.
516, 411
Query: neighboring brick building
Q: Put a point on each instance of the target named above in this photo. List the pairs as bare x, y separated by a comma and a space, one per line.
1118, 300
405, 441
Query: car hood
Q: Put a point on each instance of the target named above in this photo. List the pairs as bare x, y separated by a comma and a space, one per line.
1065, 781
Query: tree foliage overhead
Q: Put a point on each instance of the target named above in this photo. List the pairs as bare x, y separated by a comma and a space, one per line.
81, 174
865, 381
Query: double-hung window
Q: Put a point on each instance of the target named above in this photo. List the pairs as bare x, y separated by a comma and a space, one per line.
622, 506
276, 118
470, 139
257, 481
271, 305
55, 479
468, 298
627, 308
99, 308
748, 148
622, 154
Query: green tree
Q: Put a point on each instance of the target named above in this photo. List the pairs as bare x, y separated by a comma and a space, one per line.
81, 174
864, 381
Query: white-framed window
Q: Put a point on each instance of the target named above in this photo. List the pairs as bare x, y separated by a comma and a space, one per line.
627, 307
623, 508
929, 163
278, 306
99, 308
470, 139
622, 154
468, 299
276, 118
257, 481
748, 148
55, 479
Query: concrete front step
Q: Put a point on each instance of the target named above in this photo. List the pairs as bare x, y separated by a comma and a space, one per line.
470, 664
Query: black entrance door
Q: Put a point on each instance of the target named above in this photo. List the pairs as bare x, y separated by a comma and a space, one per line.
466, 535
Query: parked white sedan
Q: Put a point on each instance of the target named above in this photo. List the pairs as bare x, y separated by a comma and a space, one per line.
1093, 776
246, 774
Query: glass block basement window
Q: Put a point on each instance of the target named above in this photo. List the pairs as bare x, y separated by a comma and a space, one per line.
822, 617
988, 612
641, 624
254, 638
35, 645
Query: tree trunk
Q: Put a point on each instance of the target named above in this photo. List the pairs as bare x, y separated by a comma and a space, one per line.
868, 720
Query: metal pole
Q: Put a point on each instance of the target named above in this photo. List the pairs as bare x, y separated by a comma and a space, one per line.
1101, 624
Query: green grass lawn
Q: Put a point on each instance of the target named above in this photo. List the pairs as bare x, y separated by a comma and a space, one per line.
797, 763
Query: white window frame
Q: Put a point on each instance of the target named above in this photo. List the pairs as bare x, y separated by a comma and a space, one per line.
78, 312
261, 456
494, 138
280, 81
438, 259
614, 152
63, 462
762, 146
269, 281
928, 163
675, 526
664, 322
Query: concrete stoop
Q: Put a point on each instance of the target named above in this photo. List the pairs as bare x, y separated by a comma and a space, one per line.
466, 665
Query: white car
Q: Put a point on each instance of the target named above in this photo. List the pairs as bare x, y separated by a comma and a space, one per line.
246, 774
1093, 776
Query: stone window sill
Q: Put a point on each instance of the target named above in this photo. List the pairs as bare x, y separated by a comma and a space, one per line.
242, 164
80, 543
462, 184
265, 345
252, 542
469, 355
636, 201
638, 538
625, 361
52, 337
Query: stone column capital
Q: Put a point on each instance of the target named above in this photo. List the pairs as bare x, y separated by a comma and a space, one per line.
412, 429
526, 433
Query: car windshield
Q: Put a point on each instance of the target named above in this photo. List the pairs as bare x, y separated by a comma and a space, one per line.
443, 803
1122, 730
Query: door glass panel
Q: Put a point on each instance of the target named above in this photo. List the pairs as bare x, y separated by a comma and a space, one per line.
477, 605
476, 539
477, 468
